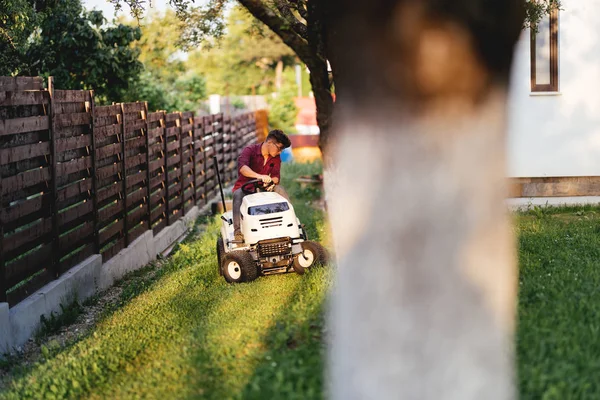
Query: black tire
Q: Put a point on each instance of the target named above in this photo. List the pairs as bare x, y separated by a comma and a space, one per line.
312, 254
220, 252
239, 266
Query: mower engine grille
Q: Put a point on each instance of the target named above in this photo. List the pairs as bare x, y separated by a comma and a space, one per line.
274, 247
271, 222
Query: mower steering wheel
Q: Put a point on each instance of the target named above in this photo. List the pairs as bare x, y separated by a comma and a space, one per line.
256, 184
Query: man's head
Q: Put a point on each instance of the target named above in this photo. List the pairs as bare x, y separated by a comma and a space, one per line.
277, 141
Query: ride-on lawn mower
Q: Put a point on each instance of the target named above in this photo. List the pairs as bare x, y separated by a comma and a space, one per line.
274, 239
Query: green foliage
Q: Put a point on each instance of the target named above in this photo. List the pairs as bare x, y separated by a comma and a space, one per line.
182, 329
71, 45
245, 58
165, 84
283, 110
557, 346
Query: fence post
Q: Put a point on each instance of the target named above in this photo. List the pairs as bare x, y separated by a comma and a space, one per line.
3, 287
94, 173
53, 156
124, 177
166, 157
181, 177
147, 133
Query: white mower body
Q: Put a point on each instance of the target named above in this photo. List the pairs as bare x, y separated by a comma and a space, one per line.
274, 240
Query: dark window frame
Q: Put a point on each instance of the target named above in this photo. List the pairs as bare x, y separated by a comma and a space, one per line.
553, 85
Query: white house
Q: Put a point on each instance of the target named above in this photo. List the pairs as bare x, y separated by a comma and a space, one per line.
554, 106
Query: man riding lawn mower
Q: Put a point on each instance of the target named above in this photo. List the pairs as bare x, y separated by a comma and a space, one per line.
261, 235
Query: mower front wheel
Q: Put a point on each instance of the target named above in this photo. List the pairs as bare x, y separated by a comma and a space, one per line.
239, 266
312, 254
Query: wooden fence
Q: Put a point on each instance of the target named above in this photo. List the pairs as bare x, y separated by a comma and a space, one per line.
78, 179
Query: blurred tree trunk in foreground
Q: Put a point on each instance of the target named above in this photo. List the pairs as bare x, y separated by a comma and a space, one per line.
424, 303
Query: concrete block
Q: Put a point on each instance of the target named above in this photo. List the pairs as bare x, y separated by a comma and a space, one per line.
139, 253
6, 337
25, 317
169, 235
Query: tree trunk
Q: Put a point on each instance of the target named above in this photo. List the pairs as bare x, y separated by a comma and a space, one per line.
423, 306
278, 76
319, 81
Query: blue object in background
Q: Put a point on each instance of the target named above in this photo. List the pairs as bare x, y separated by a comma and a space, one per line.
286, 155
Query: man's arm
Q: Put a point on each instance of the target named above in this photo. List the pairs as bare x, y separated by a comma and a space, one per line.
248, 173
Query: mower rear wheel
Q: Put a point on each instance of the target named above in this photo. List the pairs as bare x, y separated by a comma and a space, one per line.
239, 266
312, 254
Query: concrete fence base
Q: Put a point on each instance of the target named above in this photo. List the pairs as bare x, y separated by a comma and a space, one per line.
89, 277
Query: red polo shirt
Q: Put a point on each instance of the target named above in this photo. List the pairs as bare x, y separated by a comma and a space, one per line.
253, 158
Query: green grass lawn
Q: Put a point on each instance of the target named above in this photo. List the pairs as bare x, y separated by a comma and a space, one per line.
186, 333
182, 332
558, 343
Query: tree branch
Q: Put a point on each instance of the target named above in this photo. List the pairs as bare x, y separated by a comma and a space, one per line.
289, 16
281, 27
300, 6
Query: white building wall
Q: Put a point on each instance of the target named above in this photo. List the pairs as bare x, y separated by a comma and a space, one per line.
558, 134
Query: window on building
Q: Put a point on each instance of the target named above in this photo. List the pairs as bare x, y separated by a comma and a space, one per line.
544, 55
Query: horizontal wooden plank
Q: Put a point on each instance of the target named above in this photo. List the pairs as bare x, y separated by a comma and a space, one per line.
108, 151
133, 161
28, 265
103, 132
137, 231
173, 145
64, 120
23, 98
172, 117
110, 191
187, 194
172, 131
24, 208
76, 258
173, 160
16, 240
14, 154
186, 141
159, 226
136, 179
27, 289
154, 165
22, 125
156, 132
108, 213
135, 125
73, 166
17, 83
76, 212
186, 127
73, 143
155, 150
155, 116
158, 212
136, 196
113, 250
74, 238
565, 186
105, 111
110, 231
25, 179
109, 170
139, 214
71, 96
74, 189
135, 143
133, 107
